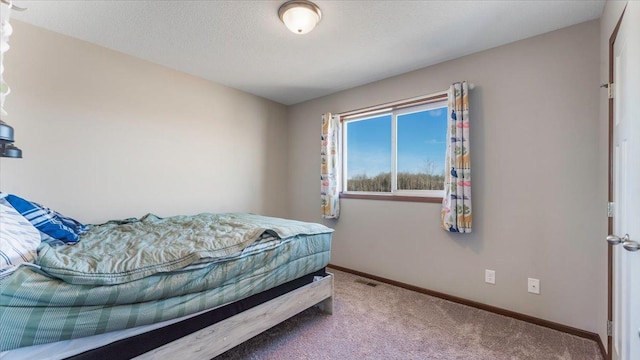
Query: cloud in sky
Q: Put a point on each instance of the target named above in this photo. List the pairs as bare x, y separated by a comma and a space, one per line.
368, 163
434, 141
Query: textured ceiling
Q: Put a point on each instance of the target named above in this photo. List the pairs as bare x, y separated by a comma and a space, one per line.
243, 44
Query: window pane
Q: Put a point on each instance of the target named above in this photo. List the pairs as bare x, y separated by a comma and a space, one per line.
421, 150
369, 154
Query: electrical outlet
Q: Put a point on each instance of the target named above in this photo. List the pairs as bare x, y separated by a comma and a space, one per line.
534, 286
490, 276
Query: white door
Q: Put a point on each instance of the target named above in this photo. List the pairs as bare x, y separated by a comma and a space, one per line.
626, 182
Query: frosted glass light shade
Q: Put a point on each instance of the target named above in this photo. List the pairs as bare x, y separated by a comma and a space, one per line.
300, 16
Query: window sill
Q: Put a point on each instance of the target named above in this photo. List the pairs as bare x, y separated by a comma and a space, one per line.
426, 199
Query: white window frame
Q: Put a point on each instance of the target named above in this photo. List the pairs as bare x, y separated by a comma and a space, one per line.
438, 104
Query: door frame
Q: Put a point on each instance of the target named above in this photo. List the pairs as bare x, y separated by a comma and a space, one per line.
612, 41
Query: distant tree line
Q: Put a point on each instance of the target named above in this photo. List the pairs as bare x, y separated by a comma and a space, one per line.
406, 181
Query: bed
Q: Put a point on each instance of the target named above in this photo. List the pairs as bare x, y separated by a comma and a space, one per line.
187, 286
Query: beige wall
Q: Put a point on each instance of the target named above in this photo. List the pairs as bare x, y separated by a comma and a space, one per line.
106, 135
538, 204
608, 21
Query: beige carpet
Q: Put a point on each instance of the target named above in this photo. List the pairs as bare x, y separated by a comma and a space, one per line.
387, 322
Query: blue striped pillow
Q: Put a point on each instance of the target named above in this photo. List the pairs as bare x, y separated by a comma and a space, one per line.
19, 239
48, 221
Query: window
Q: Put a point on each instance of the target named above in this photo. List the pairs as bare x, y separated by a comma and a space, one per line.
397, 152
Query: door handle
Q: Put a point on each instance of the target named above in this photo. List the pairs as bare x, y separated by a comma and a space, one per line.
627, 243
631, 245
615, 240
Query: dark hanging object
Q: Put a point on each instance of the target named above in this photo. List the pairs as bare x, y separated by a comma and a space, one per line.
7, 149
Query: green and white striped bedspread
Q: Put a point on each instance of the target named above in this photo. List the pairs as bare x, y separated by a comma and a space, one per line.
38, 309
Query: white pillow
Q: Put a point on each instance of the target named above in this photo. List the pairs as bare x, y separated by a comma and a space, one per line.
19, 239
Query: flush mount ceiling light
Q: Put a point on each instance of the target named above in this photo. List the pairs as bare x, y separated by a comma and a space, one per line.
300, 16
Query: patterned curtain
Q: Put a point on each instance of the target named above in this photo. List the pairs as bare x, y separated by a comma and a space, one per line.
329, 186
456, 204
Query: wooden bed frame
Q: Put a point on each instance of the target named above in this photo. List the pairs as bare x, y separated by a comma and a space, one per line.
248, 318
220, 337
217, 330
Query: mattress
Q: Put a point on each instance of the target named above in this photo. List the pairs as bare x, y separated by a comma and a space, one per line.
36, 308
67, 348
129, 343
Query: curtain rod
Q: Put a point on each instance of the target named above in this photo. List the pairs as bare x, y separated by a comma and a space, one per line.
400, 103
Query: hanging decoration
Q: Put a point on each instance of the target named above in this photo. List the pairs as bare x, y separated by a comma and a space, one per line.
7, 149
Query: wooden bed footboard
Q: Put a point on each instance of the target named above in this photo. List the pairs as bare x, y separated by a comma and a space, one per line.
224, 335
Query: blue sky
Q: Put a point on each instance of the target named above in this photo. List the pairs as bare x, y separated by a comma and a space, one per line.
421, 138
